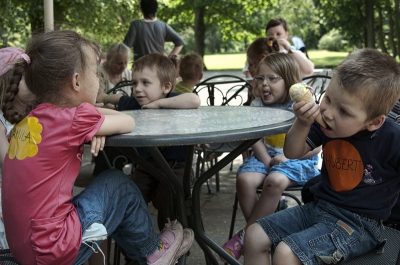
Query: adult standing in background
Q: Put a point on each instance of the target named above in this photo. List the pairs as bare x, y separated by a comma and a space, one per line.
149, 35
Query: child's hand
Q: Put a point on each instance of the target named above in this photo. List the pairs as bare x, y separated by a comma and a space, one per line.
99, 105
306, 112
100, 97
152, 105
97, 144
284, 44
279, 159
201, 145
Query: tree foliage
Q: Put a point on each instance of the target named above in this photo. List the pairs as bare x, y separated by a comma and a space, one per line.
213, 26
225, 21
364, 23
105, 21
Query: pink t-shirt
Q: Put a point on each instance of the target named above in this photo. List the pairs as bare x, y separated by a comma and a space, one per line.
40, 168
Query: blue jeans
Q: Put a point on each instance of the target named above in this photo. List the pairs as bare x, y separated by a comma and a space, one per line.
112, 199
299, 171
322, 233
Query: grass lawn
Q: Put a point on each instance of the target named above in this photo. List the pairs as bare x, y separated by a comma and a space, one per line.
320, 58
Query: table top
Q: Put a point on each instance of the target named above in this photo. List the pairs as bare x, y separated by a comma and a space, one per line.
211, 124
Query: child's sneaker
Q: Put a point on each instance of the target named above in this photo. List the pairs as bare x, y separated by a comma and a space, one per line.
234, 246
188, 237
171, 239
283, 204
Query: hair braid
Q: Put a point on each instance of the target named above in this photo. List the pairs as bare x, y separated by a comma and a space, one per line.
9, 111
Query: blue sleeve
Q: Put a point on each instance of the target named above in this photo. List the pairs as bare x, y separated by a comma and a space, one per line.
314, 138
172, 94
128, 103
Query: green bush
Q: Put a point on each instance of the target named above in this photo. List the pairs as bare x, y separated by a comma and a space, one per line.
331, 41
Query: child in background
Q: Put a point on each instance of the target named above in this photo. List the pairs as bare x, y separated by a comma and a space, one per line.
175, 59
269, 167
45, 224
8, 56
257, 50
360, 174
278, 29
191, 72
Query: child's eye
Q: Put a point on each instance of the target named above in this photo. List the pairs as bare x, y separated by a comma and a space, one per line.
343, 112
327, 99
273, 79
134, 84
146, 83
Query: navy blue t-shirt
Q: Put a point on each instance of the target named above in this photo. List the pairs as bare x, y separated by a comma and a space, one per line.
170, 153
360, 173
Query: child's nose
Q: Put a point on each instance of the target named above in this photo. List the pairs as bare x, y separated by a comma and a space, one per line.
137, 88
327, 113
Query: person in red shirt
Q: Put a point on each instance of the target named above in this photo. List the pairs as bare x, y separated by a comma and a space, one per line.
44, 223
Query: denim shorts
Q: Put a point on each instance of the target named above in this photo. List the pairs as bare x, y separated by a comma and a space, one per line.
322, 233
300, 171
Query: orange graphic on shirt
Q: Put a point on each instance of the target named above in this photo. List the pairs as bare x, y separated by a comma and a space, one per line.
344, 165
25, 137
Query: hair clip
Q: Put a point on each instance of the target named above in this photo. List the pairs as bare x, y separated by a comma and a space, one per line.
270, 43
8, 56
26, 58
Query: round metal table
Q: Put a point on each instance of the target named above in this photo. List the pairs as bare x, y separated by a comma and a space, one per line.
205, 125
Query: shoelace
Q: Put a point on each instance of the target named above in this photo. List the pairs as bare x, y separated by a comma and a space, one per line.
94, 249
169, 225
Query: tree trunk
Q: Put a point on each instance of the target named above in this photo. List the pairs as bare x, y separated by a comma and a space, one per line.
36, 16
392, 30
397, 22
369, 16
381, 35
4, 37
200, 31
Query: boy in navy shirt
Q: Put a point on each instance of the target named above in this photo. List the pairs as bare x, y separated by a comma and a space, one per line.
360, 174
153, 79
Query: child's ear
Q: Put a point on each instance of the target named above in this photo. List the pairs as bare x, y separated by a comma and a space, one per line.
201, 76
167, 87
76, 82
376, 123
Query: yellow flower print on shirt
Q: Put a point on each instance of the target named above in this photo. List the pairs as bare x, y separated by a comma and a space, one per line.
25, 137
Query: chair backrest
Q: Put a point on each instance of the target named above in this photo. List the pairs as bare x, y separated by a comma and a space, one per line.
120, 88
319, 82
223, 90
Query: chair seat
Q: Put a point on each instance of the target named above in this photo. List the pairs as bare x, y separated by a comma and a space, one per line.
6, 258
389, 255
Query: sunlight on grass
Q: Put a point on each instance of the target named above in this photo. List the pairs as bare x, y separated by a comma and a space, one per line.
326, 59
225, 61
320, 58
